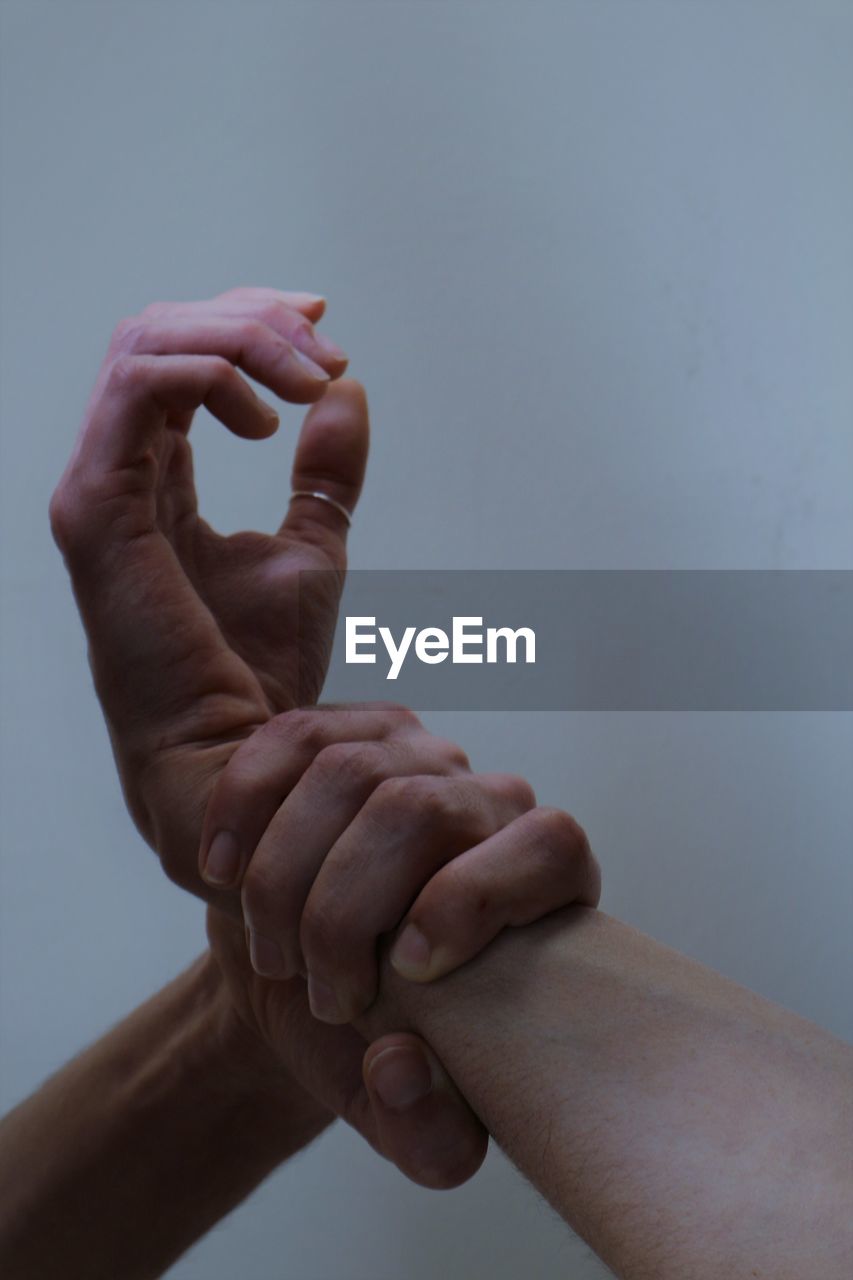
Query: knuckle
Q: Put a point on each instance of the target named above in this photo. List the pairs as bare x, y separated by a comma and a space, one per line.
300, 330
252, 331
351, 764
454, 887
570, 854
559, 831
306, 728
64, 515
127, 372
272, 312
517, 790
419, 801
454, 756
233, 790
222, 370
126, 333
433, 803
398, 717
394, 798
338, 758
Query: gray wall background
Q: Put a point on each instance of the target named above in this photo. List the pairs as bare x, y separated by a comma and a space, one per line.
594, 263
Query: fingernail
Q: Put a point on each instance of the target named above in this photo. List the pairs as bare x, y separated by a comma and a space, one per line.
330, 348
411, 953
266, 956
222, 865
323, 1001
401, 1077
309, 365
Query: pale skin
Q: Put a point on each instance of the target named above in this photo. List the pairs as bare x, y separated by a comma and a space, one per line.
685, 1128
535, 1029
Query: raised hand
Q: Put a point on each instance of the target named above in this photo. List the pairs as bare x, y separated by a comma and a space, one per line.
192, 635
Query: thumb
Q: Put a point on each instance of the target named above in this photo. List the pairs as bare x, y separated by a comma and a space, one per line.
422, 1121
331, 458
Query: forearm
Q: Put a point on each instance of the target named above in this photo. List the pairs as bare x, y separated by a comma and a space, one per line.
136, 1148
682, 1125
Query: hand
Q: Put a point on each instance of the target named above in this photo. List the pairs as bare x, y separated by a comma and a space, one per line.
344, 823
395, 1093
381, 823
192, 635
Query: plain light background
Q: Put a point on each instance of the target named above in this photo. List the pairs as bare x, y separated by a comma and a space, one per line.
594, 263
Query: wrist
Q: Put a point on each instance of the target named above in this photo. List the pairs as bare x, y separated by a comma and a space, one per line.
168, 797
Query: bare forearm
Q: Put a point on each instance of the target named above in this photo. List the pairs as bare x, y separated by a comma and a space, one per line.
135, 1149
682, 1125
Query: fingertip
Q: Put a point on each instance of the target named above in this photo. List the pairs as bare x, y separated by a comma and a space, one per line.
220, 863
256, 426
343, 409
417, 955
427, 1128
311, 305
354, 392
310, 366
267, 957
338, 1000
399, 1075
467, 1160
412, 954
269, 424
324, 1002
338, 369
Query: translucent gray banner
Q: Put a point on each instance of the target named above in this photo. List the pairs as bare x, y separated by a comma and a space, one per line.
589, 640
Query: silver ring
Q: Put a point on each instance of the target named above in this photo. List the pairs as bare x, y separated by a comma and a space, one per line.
324, 497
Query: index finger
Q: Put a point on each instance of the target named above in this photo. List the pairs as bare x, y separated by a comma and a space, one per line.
138, 395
